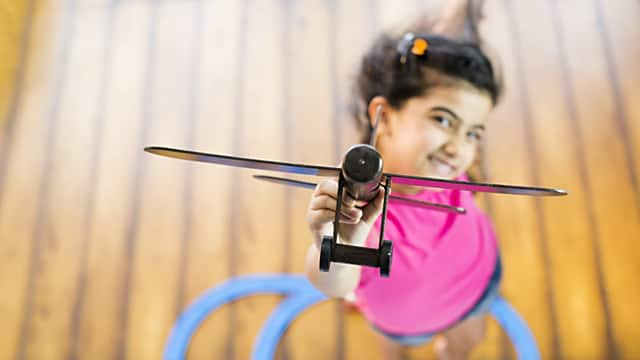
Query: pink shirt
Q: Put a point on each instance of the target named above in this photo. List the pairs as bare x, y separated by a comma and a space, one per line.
441, 265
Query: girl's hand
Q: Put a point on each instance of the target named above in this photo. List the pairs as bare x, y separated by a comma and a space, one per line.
356, 218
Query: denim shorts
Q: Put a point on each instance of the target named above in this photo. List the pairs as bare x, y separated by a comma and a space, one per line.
481, 307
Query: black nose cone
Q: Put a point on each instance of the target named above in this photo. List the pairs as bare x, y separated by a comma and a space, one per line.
362, 163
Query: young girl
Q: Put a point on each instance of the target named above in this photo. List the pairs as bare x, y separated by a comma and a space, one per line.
436, 94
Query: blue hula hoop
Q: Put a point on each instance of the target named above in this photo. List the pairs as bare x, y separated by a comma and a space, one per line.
302, 295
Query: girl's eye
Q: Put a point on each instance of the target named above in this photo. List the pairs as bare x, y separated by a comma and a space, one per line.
443, 121
475, 135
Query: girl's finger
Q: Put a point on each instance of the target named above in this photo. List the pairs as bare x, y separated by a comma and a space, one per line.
327, 187
327, 202
322, 202
348, 201
374, 208
318, 218
330, 188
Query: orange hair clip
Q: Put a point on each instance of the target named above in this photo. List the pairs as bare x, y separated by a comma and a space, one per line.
420, 45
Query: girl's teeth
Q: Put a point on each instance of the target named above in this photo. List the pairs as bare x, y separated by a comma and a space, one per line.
442, 168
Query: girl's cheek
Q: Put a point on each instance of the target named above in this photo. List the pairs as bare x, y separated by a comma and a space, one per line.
469, 156
434, 138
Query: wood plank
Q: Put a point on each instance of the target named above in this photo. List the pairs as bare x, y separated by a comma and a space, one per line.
161, 227
316, 329
312, 139
65, 205
622, 34
258, 210
289, 43
102, 315
20, 192
615, 211
616, 23
208, 244
576, 298
362, 341
352, 35
102, 68
517, 223
13, 16
17, 19
394, 16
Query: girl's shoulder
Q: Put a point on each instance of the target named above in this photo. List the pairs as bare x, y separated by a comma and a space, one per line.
408, 217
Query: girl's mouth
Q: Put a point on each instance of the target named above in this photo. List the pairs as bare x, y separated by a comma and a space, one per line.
442, 168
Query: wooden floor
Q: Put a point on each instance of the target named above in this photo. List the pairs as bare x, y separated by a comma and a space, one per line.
102, 245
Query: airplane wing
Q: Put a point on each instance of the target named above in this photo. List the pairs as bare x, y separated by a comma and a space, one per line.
392, 198
472, 186
249, 163
305, 169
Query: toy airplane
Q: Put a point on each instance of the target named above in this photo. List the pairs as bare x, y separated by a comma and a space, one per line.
361, 175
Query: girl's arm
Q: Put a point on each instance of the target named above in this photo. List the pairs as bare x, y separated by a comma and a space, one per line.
338, 282
355, 225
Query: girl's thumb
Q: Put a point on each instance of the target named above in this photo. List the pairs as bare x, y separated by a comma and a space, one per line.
371, 212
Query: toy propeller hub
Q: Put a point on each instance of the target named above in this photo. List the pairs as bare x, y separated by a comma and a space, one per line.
362, 163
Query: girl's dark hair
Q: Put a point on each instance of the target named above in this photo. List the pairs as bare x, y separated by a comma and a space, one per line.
391, 70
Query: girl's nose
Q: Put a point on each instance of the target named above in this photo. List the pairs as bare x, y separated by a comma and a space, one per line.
455, 143
451, 147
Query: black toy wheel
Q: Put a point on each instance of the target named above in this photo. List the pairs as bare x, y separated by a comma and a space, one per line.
386, 254
325, 253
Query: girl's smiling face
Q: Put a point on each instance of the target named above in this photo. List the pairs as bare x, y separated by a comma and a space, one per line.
434, 135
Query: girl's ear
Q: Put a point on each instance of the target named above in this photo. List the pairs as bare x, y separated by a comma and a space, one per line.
374, 104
